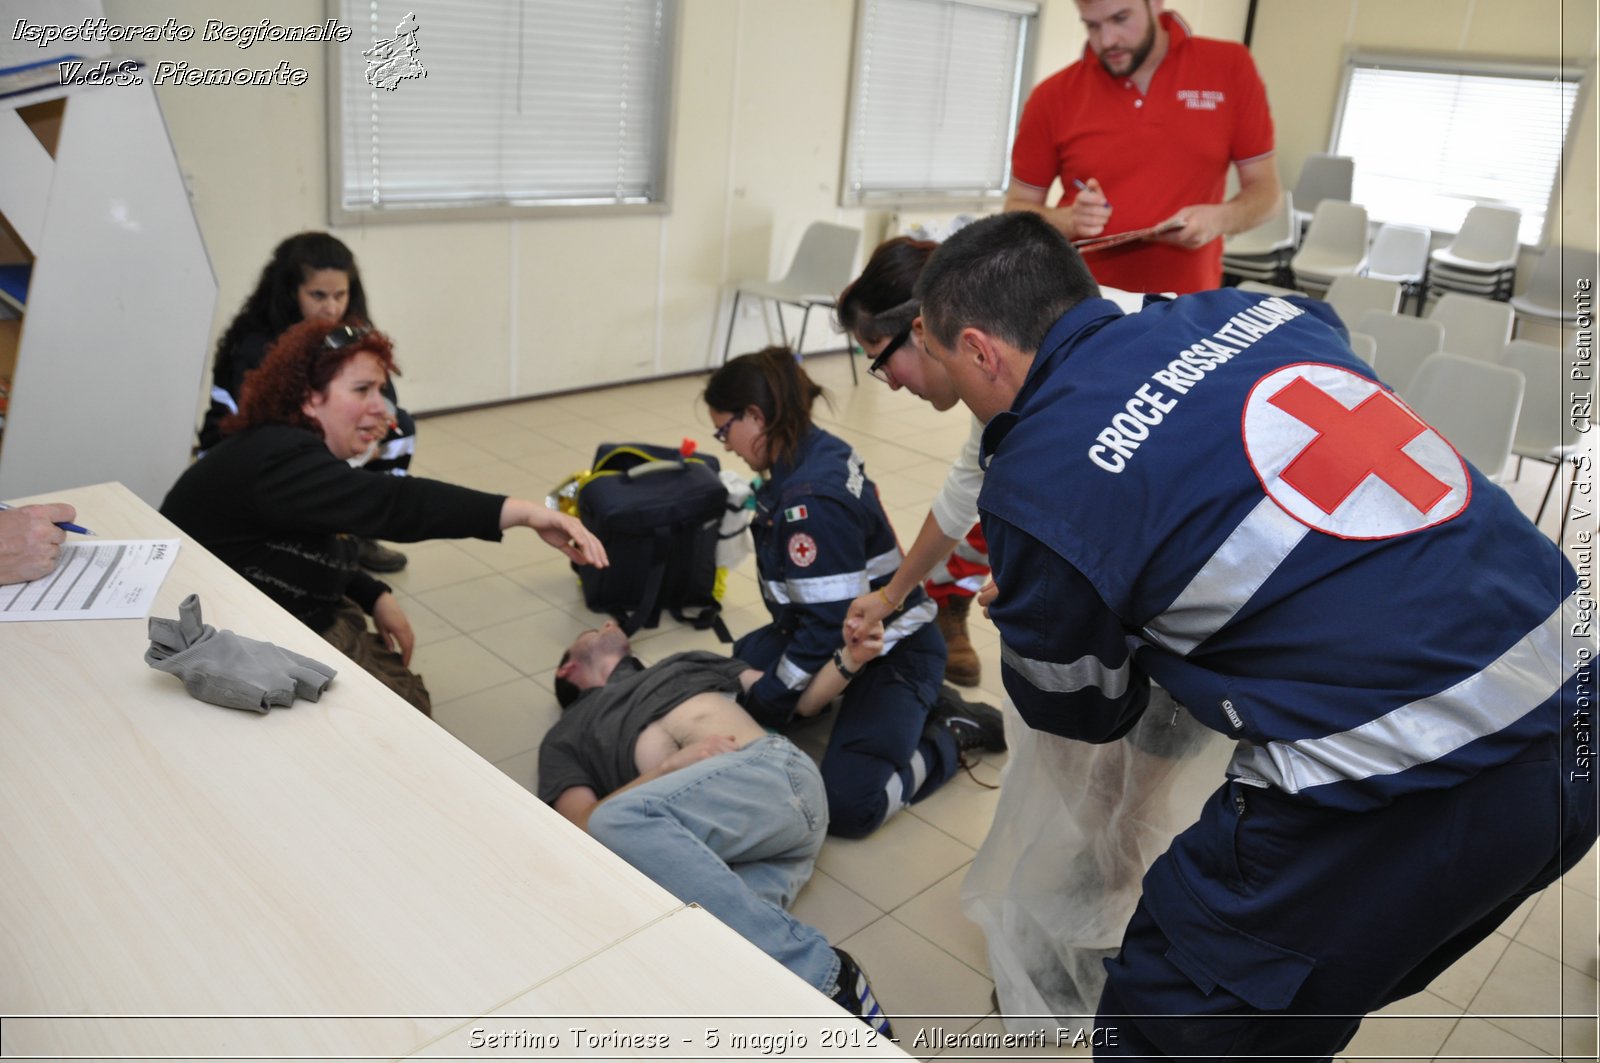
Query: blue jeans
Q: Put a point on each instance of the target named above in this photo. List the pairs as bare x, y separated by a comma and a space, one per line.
881, 755
737, 834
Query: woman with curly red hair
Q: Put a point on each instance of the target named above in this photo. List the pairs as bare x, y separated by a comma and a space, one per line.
278, 501
312, 276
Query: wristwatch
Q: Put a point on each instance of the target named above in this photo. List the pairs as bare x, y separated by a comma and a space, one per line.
838, 662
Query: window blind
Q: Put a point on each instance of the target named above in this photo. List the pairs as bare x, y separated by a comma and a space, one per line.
523, 105
935, 99
1431, 143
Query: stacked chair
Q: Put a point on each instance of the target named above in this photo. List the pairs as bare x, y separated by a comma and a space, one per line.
1400, 254
1482, 259
1548, 298
1335, 244
1321, 177
1262, 254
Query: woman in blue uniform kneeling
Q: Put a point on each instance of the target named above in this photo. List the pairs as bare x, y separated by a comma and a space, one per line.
821, 539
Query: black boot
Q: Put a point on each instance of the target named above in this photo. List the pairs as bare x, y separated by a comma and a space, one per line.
973, 724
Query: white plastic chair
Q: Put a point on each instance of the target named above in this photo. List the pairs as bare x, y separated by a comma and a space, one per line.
1263, 288
1472, 404
1322, 176
1403, 343
1546, 429
823, 264
1482, 259
1400, 254
1474, 327
1262, 253
1351, 296
1548, 296
1364, 347
1335, 244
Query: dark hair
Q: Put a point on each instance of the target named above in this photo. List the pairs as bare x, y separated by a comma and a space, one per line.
884, 288
772, 381
299, 364
566, 690
274, 305
1010, 275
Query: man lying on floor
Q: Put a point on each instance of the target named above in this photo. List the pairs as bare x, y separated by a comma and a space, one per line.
664, 768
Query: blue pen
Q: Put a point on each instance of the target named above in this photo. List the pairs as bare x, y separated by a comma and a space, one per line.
1084, 188
64, 525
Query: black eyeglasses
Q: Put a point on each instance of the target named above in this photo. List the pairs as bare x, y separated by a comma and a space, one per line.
879, 366
344, 336
721, 434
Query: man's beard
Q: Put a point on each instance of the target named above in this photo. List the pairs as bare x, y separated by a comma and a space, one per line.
1140, 53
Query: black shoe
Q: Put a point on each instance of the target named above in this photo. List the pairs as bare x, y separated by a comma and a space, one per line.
375, 557
973, 724
855, 995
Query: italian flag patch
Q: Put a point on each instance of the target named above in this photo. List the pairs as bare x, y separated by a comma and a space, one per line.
794, 513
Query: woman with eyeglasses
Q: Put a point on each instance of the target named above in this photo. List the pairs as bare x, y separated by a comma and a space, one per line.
822, 536
1111, 808
950, 553
279, 502
312, 276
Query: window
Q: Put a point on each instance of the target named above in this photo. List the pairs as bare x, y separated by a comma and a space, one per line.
935, 99
521, 105
1433, 138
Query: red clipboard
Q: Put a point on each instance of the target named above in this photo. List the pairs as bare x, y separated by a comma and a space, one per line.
1100, 243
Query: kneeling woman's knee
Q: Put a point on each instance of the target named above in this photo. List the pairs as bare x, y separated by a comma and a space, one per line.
854, 813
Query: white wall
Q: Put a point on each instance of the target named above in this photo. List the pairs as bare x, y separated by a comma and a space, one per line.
483, 311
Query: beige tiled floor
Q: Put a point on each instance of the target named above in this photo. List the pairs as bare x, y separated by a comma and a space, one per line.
492, 619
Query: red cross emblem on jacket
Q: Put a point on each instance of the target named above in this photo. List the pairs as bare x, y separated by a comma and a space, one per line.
1339, 452
802, 549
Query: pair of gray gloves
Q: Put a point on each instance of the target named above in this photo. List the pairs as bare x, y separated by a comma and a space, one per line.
222, 668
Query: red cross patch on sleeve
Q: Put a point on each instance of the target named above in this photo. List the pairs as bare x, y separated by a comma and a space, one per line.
1341, 454
802, 549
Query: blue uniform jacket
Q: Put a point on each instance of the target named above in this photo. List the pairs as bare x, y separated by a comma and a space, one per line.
822, 539
1216, 494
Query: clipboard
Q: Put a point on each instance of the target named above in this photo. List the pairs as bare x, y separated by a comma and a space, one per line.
1100, 243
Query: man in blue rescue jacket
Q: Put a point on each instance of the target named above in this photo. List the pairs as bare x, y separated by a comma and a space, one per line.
1216, 495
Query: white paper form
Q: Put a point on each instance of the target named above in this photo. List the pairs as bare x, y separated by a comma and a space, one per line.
107, 579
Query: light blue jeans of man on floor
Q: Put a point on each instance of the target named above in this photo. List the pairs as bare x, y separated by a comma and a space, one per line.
737, 834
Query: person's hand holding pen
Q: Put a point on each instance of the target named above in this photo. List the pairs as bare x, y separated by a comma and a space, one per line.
31, 538
1089, 211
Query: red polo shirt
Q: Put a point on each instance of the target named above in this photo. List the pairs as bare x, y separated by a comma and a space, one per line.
1153, 154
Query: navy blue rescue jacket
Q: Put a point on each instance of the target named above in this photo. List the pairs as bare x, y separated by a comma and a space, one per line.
822, 539
1216, 494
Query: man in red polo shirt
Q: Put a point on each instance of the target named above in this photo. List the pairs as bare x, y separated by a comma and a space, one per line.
1142, 130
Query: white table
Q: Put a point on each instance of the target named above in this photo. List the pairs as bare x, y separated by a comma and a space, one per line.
341, 878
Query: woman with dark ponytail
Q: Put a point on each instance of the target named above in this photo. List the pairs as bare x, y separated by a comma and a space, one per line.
821, 539
312, 276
